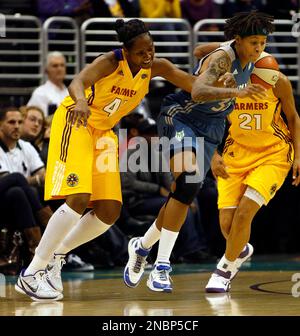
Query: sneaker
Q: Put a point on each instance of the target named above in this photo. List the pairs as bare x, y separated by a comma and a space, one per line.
37, 287
53, 271
159, 279
75, 264
219, 282
244, 256
135, 266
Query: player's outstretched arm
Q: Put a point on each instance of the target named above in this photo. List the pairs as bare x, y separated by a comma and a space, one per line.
163, 68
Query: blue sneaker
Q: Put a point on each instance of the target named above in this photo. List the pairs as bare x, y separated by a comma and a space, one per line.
159, 279
135, 266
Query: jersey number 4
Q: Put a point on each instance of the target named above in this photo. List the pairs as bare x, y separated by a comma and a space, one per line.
113, 107
247, 119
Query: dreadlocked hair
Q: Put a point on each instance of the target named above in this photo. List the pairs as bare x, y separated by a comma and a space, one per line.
248, 23
128, 31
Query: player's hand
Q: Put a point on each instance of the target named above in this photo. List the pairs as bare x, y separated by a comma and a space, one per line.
253, 91
218, 167
296, 172
228, 80
80, 114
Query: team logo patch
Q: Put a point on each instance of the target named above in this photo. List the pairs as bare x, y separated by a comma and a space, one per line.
144, 76
273, 189
72, 180
179, 135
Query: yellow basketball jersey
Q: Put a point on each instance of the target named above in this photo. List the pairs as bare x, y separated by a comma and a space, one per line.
258, 124
114, 96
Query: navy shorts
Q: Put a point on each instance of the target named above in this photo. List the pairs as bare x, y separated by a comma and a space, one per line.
202, 136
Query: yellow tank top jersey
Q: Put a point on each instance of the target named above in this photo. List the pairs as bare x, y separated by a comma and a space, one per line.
258, 124
114, 96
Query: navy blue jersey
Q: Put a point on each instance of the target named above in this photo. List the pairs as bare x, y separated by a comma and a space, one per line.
218, 108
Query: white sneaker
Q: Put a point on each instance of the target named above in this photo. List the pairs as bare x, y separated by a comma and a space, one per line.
217, 284
53, 271
159, 279
244, 256
135, 266
37, 287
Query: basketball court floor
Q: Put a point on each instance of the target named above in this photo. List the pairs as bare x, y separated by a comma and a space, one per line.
266, 286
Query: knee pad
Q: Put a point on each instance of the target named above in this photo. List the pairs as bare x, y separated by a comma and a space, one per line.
185, 192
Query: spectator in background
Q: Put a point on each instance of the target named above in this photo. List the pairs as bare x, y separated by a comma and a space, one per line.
195, 10
231, 7
160, 9
80, 10
36, 129
49, 95
18, 155
20, 168
33, 126
156, 9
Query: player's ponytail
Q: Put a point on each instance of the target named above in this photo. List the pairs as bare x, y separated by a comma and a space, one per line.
129, 30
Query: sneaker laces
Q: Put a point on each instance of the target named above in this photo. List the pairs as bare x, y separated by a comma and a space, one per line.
139, 263
57, 265
164, 274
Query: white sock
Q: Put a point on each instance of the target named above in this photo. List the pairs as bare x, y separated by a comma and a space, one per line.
61, 222
225, 265
150, 237
166, 244
36, 264
88, 228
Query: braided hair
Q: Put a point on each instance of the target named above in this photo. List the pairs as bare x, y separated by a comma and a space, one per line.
128, 31
247, 24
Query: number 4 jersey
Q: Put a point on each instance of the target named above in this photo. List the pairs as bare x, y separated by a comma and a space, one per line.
114, 96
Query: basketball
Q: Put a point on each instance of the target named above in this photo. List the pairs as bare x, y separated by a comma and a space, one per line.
266, 71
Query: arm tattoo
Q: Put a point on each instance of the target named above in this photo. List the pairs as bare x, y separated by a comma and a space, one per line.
204, 89
217, 68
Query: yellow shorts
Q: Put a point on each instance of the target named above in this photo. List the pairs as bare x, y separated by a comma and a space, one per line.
83, 160
263, 170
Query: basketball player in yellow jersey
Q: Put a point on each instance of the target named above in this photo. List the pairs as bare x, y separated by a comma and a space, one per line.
257, 157
103, 92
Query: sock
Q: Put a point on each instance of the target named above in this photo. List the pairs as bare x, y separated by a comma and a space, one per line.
150, 237
166, 244
60, 223
88, 228
224, 265
36, 264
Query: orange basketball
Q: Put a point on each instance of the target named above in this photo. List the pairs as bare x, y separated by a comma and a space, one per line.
266, 71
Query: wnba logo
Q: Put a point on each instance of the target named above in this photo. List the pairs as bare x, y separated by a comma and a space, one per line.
2, 26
